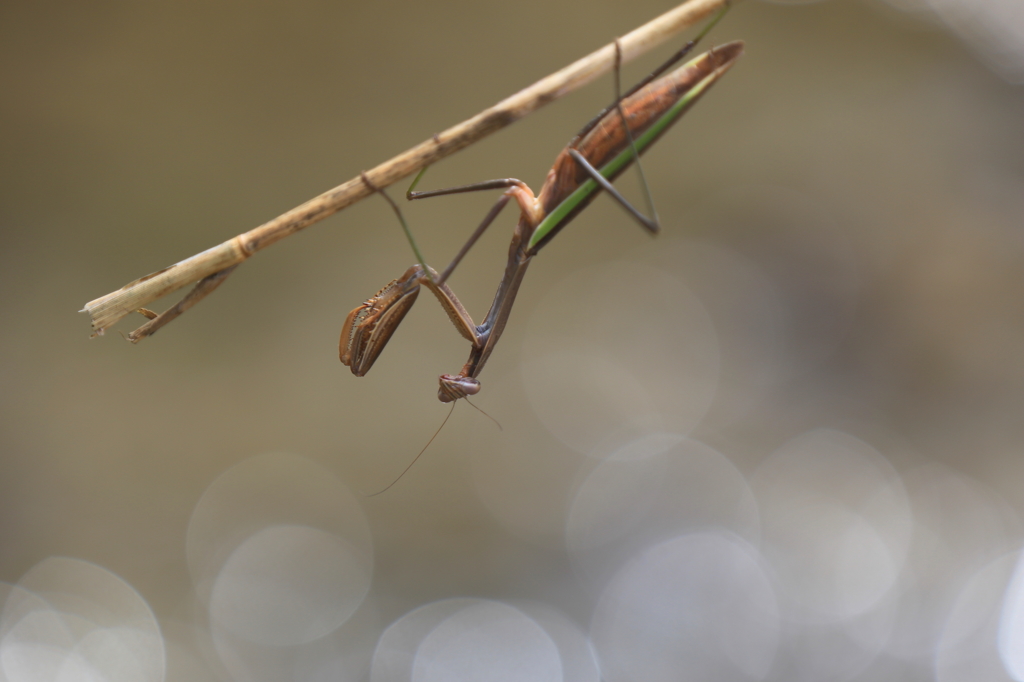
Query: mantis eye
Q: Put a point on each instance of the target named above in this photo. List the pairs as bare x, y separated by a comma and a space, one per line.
455, 386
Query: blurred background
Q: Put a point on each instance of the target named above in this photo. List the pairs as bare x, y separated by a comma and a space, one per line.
782, 441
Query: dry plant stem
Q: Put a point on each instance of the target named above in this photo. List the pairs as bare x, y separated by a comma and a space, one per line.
107, 310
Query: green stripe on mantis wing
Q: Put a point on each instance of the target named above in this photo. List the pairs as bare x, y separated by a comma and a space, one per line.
624, 158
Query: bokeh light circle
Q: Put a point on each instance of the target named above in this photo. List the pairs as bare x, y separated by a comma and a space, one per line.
68, 620
836, 524
615, 347
745, 306
655, 486
696, 607
471, 640
974, 639
281, 585
960, 526
280, 551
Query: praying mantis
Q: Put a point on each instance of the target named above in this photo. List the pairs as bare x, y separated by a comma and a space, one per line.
599, 152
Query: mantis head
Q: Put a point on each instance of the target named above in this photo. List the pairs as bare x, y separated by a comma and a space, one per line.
455, 386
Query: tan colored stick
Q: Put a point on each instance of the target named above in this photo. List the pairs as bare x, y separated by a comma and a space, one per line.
107, 310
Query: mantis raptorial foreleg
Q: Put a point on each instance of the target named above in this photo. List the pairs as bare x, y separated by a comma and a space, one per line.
369, 327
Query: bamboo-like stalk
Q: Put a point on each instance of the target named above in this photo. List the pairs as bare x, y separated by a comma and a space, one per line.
212, 266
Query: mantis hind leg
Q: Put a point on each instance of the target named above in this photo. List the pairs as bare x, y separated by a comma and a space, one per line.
650, 224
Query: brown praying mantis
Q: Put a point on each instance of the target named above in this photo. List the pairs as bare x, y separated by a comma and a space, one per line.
602, 149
